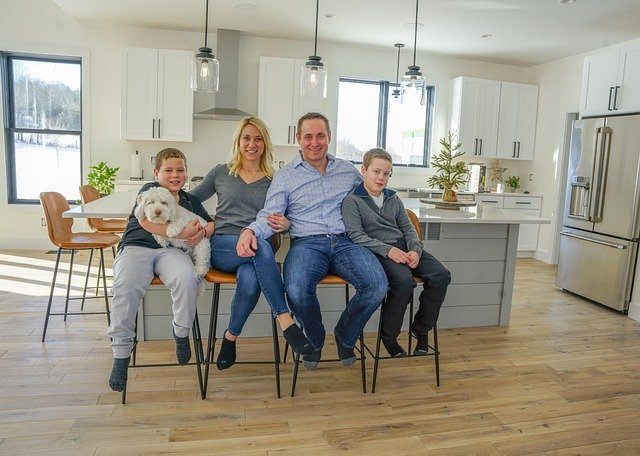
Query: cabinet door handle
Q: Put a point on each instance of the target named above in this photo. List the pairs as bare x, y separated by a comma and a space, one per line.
293, 140
513, 153
489, 201
153, 128
158, 128
475, 147
518, 156
615, 98
610, 97
480, 153
289, 134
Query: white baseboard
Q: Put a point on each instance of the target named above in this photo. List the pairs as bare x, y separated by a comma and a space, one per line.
543, 255
634, 311
26, 243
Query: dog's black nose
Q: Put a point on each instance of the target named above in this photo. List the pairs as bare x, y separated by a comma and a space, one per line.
158, 212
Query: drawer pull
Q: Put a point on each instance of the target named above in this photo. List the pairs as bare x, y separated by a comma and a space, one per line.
523, 202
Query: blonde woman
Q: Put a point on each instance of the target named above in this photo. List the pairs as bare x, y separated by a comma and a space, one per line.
241, 186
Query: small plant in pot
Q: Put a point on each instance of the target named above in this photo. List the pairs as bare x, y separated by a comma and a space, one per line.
102, 178
513, 182
451, 172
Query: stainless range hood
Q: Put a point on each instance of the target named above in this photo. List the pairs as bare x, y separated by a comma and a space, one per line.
226, 100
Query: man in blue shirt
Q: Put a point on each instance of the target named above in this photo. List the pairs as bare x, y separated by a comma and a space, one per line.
309, 192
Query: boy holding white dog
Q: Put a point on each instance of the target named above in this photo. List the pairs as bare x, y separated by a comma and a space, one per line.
140, 257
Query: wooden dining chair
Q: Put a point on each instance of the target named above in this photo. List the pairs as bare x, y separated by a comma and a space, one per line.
61, 235
434, 349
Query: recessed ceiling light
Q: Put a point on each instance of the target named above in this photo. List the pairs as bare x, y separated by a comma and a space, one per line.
486, 35
567, 2
330, 16
245, 7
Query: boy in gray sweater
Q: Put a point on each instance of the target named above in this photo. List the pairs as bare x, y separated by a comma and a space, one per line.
376, 218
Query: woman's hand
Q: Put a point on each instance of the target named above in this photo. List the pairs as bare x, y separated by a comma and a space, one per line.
278, 222
247, 244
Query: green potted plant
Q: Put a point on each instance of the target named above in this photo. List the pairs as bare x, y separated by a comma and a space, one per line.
102, 178
451, 172
513, 182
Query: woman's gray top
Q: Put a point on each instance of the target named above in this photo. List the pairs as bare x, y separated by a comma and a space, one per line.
238, 202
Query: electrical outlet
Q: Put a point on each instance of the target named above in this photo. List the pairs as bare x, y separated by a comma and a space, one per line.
531, 177
43, 222
153, 160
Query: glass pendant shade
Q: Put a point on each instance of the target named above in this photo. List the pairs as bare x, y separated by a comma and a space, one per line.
205, 68
205, 71
313, 79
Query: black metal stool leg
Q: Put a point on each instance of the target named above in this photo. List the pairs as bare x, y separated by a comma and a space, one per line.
376, 357
211, 341
53, 286
86, 279
363, 366
66, 301
104, 287
436, 355
276, 354
197, 349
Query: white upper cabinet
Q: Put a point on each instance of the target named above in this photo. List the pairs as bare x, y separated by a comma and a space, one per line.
611, 82
517, 124
474, 115
157, 101
279, 102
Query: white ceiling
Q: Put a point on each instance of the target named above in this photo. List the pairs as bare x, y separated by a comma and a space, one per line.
525, 32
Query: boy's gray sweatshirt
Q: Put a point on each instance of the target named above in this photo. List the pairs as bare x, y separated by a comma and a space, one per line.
378, 229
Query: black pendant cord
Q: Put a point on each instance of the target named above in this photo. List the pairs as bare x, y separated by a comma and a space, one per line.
415, 34
315, 40
206, 24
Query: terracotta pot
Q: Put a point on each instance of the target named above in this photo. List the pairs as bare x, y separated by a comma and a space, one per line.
449, 195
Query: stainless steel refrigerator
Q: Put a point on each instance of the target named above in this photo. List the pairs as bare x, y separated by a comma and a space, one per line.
599, 239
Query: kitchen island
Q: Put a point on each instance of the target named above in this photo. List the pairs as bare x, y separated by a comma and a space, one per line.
478, 245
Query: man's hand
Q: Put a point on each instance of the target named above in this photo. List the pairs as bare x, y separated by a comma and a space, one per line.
247, 244
398, 256
414, 259
278, 222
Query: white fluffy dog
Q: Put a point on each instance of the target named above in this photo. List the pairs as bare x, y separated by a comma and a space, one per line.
159, 206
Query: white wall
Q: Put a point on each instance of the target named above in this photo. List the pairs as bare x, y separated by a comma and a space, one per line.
33, 24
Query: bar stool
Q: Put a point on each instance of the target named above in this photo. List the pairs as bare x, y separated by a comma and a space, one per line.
100, 225
197, 349
332, 280
433, 349
61, 235
219, 278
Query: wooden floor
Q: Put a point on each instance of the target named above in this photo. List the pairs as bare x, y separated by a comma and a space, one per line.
562, 379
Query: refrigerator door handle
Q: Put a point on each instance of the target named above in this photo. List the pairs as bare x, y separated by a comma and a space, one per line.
603, 170
595, 241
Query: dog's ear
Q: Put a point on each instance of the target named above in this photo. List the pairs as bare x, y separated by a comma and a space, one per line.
139, 210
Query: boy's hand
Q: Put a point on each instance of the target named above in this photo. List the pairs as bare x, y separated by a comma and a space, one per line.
278, 222
247, 244
193, 240
414, 259
190, 230
398, 256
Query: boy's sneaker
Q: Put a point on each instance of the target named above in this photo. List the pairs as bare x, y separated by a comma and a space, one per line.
394, 349
183, 349
347, 355
422, 343
311, 361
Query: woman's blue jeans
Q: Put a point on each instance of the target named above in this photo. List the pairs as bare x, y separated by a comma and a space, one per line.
310, 258
256, 274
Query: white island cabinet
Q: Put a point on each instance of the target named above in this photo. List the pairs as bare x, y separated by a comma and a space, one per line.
478, 246
157, 101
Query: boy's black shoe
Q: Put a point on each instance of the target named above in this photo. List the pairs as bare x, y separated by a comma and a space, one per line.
118, 378
394, 349
347, 355
422, 343
183, 349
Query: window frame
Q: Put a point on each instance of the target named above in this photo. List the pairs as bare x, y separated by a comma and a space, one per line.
79, 56
383, 108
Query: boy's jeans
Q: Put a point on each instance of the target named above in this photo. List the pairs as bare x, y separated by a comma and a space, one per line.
310, 258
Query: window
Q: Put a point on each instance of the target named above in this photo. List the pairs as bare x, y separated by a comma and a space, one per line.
370, 116
43, 126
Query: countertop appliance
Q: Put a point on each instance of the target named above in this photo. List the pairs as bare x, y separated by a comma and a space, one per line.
599, 238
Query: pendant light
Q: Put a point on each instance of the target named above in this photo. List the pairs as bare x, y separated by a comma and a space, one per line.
205, 68
398, 89
313, 77
413, 79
